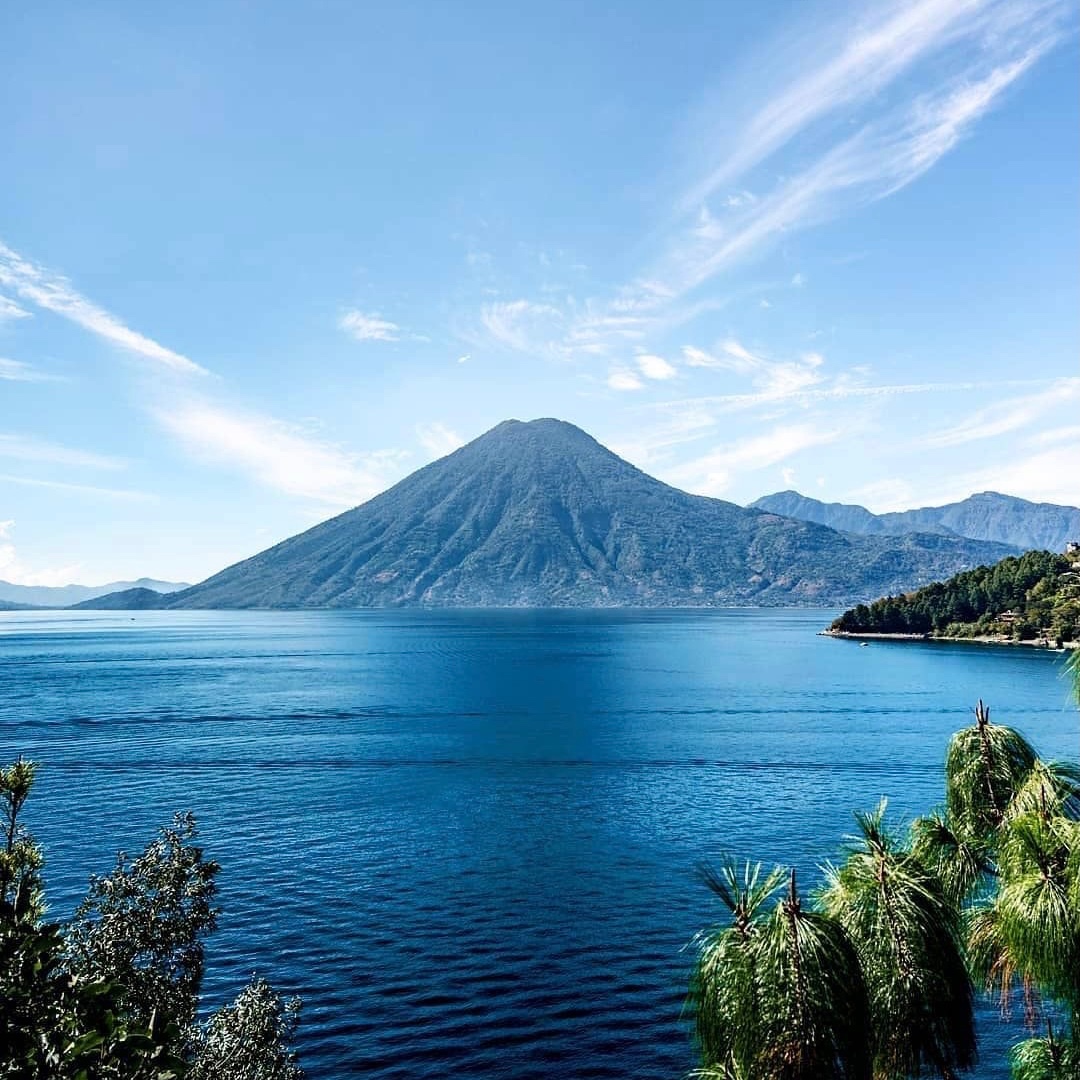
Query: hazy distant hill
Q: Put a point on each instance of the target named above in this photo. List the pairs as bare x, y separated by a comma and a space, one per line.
67, 595
139, 599
1002, 519
540, 514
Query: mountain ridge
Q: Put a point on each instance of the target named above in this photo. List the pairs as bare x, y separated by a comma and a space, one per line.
539, 514
61, 596
987, 515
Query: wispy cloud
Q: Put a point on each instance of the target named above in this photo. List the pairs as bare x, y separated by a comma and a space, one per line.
521, 324
371, 327
14, 571
648, 445
56, 294
438, 440
18, 371
79, 489
713, 473
624, 379
841, 389
883, 496
1005, 416
655, 367
882, 157
279, 455
1052, 437
28, 448
9, 310
978, 48
860, 61
775, 379
1045, 475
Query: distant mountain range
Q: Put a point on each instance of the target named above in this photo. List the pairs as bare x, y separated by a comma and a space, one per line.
540, 514
1003, 519
68, 595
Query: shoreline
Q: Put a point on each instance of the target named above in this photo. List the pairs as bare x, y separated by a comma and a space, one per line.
984, 639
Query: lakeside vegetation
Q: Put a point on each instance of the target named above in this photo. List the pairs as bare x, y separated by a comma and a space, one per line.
874, 976
114, 993
1029, 597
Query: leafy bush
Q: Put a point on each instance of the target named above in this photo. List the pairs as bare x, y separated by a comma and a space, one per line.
114, 994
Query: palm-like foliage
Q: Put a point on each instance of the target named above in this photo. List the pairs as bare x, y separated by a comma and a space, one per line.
877, 979
1030, 932
961, 865
779, 995
723, 988
907, 934
1049, 1058
816, 1012
984, 767
1050, 789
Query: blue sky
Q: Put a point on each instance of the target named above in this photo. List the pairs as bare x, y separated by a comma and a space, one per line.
258, 261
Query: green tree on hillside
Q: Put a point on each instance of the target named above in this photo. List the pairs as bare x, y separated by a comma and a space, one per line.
1022, 596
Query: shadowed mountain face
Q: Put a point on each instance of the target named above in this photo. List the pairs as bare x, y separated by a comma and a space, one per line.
540, 514
1002, 519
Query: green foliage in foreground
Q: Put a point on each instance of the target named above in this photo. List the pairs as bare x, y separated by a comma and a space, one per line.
1034, 595
114, 995
875, 981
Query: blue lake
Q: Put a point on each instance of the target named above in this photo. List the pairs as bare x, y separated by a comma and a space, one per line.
468, 839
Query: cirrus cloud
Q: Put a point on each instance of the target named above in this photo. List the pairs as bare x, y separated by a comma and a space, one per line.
369, 327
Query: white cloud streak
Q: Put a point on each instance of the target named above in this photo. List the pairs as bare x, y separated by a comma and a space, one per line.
369, 327
124, 494
980, 49
438, 440
840, 390
1068, 434
868, 58
9, 310
27, 448
14, 571
775, 379
55, 293
521, 324
280, 456
1046, 475
1006, 416
880, 159
624, 380
655, 367
18, 371
713, 473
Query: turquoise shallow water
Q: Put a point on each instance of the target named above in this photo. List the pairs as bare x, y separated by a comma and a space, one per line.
468, 839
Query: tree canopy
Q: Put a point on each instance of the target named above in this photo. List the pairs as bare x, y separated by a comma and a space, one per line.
877, 977
114, 993
1036, 594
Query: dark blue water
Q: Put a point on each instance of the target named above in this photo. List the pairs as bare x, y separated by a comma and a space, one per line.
468, 839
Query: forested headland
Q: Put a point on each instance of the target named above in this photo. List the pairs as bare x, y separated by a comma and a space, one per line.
1029, 597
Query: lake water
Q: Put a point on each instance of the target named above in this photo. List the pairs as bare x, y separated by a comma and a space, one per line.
468, 840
